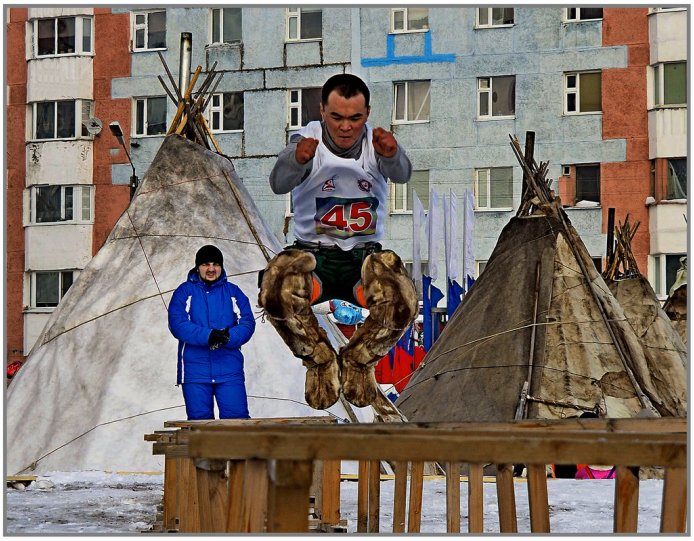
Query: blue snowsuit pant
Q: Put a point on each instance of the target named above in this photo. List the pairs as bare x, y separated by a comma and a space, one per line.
232, 400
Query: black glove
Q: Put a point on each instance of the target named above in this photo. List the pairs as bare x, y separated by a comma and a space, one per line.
218, 337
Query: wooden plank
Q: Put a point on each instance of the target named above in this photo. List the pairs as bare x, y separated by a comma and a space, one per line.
255, 496
237, 471
673, 515
357, 442
475, 502
225, 423
288, 495
414, 516
170, 501
363, 496
453, 497
374, 496
506, 497
212, 497
538, 500
188, 508
626, 500
330, 493
399, 496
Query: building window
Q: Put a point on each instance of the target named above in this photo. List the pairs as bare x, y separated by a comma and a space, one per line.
59, 203
149, 30
670, 83
226, 25
494, 188
582, 14
588, 183
304, 106
412, 101
226, 112
496, 96
150, 116
49, 287
677, 178
491, 17
62, 36
304, 23
409, 20
665, 267
480, 265
582, 92
402, 193
64, 119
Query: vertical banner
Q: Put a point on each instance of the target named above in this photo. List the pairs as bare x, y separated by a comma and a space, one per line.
431, 294
453, 288
417, 222
468, 242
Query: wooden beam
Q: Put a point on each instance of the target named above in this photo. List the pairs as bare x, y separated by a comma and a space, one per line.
288, 495
363, 496
374, 496
237, 470
673, 514
414, 517
506, 498
255, 496
453, 497
538, 500
330, 492
399, 496
475, 501
626, 500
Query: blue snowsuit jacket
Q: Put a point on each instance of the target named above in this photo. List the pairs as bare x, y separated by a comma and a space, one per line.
195, 309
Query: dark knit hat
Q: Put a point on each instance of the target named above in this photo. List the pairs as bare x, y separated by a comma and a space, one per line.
209, 254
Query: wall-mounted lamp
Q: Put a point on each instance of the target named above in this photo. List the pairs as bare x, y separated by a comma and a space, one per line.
118, 134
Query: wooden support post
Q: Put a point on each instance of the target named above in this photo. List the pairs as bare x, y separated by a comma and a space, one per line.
237, 470
453, 497
170, 494
538, 500
288, 495
399, 497
475, 498
212, 498
626, 500
188, 505
374, 496
255, 496
507, 498
363, 496
673, 514
610, 236
414, 517
330, 492
529, 156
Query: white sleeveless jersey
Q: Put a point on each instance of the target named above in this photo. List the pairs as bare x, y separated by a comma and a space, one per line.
343, 201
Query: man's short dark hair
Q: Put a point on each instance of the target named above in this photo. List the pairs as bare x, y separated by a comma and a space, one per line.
346, 85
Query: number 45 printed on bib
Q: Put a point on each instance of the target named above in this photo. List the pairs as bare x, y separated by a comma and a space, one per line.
343, 218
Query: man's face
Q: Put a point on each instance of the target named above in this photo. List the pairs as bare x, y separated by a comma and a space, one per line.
209, 272
344, 118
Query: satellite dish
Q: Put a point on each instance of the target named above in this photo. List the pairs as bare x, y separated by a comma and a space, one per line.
94, 126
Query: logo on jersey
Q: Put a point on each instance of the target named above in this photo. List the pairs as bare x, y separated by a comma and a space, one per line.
364, 185
329, 185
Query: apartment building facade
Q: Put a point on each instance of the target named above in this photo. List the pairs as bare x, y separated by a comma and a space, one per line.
602, 89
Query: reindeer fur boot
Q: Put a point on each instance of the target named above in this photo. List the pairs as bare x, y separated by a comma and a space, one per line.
392, 302
285, 294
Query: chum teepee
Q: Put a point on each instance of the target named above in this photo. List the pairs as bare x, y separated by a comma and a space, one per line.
539, 335
103, 373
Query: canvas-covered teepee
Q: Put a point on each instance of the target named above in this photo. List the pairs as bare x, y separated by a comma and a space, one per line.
103, 372
661, 342
540, 335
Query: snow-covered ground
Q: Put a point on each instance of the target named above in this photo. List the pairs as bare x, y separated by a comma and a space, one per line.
96, 502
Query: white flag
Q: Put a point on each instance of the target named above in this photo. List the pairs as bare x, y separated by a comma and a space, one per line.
468, 246
434, 233
451, 238
417, 222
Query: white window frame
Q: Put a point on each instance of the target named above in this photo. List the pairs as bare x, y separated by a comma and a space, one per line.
221, 26
659, 266
84, 110
79, 36
405, 19
294, 14
577, 91
145, 99
491, 24
295, 105
289, 205
489, 91
219, 108
33, 288
578, 19
480, 263
404, 86
82, 204
145, 27
399, 192
659, 86
488, 204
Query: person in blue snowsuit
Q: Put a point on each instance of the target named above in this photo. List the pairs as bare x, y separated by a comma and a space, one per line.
211, 318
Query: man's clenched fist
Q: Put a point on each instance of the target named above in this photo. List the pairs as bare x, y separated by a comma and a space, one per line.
384, 143
306, 150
